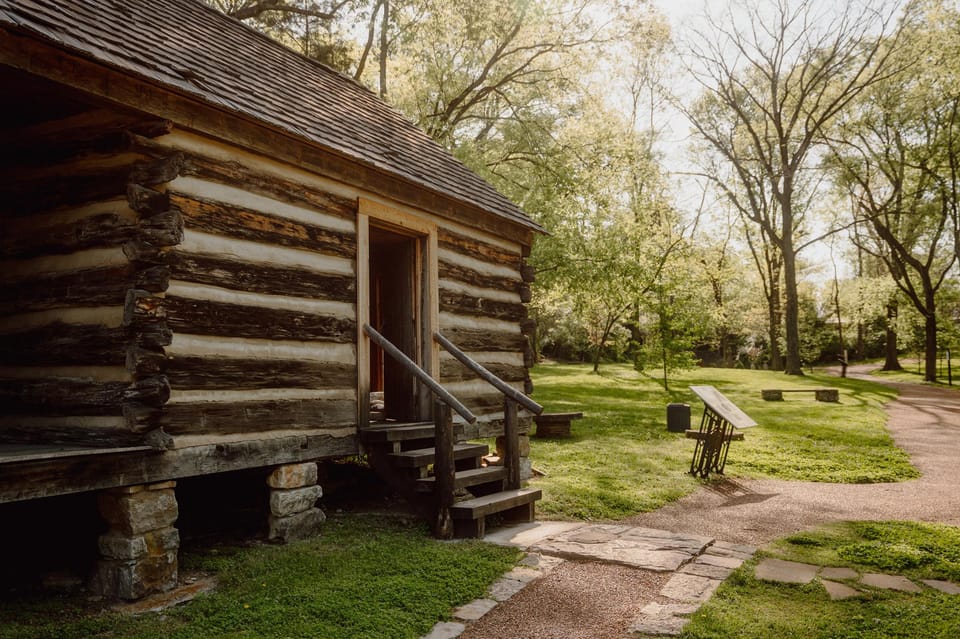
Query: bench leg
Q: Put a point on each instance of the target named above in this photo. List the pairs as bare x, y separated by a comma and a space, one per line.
470, 528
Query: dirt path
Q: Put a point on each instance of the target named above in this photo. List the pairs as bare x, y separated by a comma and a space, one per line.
591, 600
924, 421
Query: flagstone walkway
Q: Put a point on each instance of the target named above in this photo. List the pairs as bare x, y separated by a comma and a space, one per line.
634, 578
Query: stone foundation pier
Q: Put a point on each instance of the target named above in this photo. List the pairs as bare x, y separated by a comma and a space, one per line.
138, 554
293, 496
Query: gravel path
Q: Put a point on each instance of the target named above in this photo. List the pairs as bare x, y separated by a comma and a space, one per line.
924, 421
586, 600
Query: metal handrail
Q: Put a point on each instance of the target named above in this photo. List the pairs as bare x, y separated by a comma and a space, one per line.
411, 366
487, 376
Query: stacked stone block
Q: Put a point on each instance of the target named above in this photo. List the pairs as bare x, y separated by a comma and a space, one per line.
526, 467
139, 551
293, 495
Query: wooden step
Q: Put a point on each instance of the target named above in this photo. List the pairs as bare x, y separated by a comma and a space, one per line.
498, 502
467, 478
425, 456
398, 432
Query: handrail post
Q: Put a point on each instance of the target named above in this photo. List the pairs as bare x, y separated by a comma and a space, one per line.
511, 443
444, 470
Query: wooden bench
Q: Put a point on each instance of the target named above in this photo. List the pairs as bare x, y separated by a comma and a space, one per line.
821, 394
720, 418
555, 424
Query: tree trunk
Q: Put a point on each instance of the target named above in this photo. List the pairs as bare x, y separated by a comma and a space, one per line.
791, 315
891, 362
773, 306
930, 339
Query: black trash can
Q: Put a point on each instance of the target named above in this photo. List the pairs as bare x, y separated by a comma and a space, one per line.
678, 417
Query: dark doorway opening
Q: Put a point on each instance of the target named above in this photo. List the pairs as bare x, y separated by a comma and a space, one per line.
394, 312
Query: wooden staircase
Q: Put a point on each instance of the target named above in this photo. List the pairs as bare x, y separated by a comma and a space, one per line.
404, 455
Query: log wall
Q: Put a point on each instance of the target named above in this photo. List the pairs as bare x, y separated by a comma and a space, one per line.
261, 300
80, 337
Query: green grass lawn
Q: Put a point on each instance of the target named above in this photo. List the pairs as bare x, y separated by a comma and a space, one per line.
911, 375
622, 460
365, 577
746, 608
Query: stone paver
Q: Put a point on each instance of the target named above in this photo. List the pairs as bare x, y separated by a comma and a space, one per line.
838, 591
728, 549
636, 547
686, 587
706, 570
889, 582
663, 620
474, 610
789, 572
446, 630
504, 588
947, 587
829, 572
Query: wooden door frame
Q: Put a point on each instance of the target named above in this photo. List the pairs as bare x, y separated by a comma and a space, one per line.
427, 283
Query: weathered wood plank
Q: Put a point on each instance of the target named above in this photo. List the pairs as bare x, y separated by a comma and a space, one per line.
461, 303
204, 317
58, 396
477, 249
473, 340
105, 286
195, 418
259, 278
457, 272
97, 230
453, 371
224, 219
211, 373
36, 479
63, 344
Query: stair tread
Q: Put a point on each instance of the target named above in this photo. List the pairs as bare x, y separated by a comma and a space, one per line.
497, 502
472, 477
398, 432
426, 456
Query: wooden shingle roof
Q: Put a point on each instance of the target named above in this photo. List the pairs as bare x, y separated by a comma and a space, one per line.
194, 50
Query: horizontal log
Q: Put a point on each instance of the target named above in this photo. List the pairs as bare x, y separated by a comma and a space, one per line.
98, 230
85, 129
473, 340
204, 317
461, 303
27, 197
16, 431
525, 294
59, 396
209, 418
147, 201
157, 170
457, 272
144, 362
146, 316
528, 273
475, 248
105, 286
494, 428
528, 327
224, 219
454, 371
257, 278
213, 373
234, 173
46, 478
62, 344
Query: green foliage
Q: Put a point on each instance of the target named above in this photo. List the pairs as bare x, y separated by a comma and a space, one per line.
366, 576
747, 608
625, 411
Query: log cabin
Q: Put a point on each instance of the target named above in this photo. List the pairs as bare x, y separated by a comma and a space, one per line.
219, 255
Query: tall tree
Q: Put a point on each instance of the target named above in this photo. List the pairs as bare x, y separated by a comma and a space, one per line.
898, 155
774, 76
